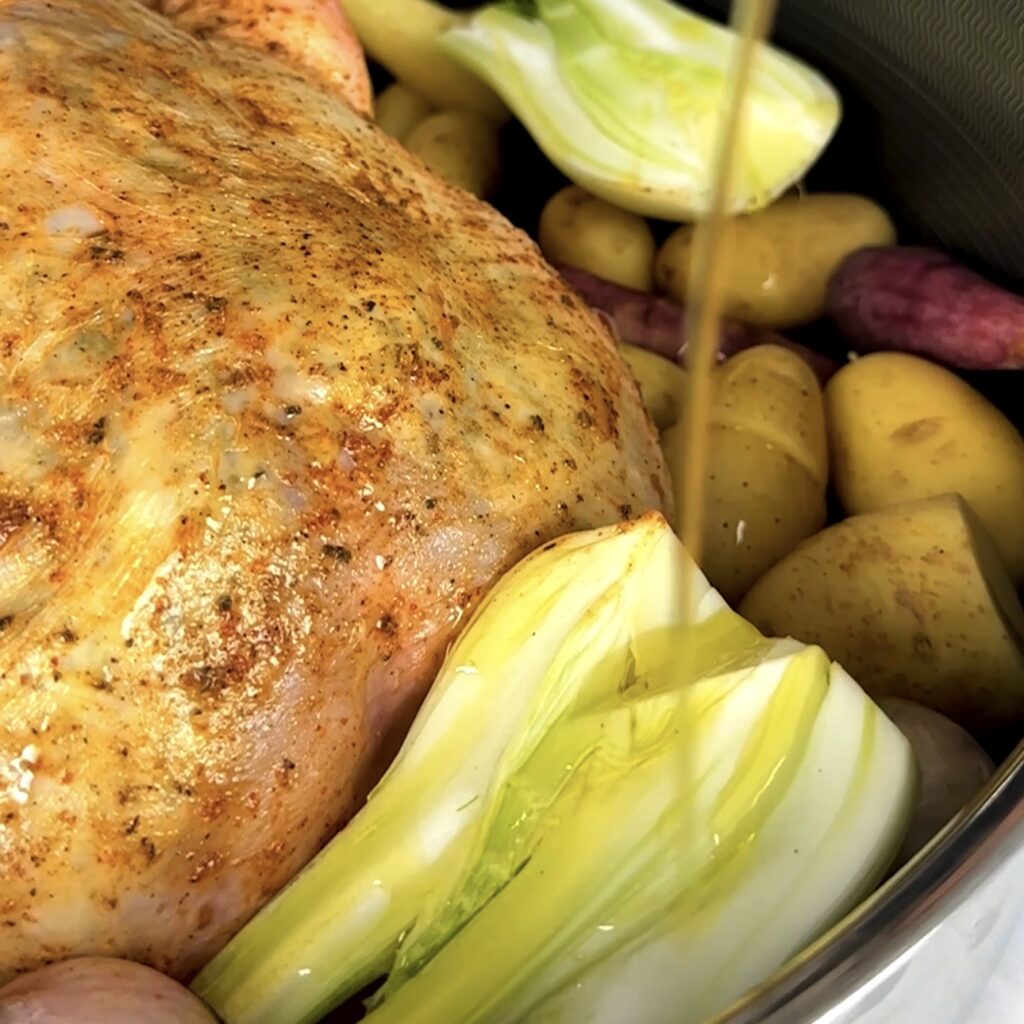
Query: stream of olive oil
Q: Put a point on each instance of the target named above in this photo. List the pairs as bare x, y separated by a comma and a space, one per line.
752, 21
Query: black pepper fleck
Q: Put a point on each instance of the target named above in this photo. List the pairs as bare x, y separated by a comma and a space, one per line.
338, 552
97, 432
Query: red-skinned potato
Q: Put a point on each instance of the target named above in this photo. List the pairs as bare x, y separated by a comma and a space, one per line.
99, 990
922, 301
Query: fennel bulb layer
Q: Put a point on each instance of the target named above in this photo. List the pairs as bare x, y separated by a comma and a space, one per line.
619, 801
626, 98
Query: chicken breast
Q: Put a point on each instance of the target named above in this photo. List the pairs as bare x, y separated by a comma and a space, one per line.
277, 408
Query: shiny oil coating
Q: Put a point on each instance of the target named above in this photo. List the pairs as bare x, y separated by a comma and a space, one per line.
276, 408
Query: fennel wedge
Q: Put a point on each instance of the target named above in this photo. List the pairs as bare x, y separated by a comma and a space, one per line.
625, 98
609, 776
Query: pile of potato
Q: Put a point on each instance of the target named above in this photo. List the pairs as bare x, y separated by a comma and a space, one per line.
914, 591
461, 146
911, 583
874, 508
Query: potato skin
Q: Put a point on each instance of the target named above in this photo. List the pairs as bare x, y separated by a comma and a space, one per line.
580, 230
920, 300
781, 257
914, 602
773, 393
662, 384
902, 428
659, 324
397, 110
460, 146
760, 503
767, 466
407, 45
953, 769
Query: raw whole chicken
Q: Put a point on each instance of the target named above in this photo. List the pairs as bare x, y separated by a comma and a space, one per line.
277, 407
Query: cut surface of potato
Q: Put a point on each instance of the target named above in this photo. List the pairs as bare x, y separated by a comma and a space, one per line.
914, 601
903, 428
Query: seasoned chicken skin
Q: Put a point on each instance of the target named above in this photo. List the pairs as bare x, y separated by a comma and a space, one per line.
277, 408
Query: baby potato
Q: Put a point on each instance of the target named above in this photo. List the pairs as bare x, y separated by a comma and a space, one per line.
759, 504
774, 393
953, 769
582, 231
903, 428
767, 466
781, 257
460, 146
914, 601
398, 110
662, 383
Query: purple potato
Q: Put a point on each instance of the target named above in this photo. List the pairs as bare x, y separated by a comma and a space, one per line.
659, 324
922, 301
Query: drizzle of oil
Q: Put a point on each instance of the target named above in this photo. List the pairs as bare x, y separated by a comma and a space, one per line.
752, 20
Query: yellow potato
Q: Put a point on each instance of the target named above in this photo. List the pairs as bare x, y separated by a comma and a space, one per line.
461, 147
403, 37
759, 504
903, 428
582, 231
661, 381
914, 602
781, 258
775, 394
398, 109
767, 466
